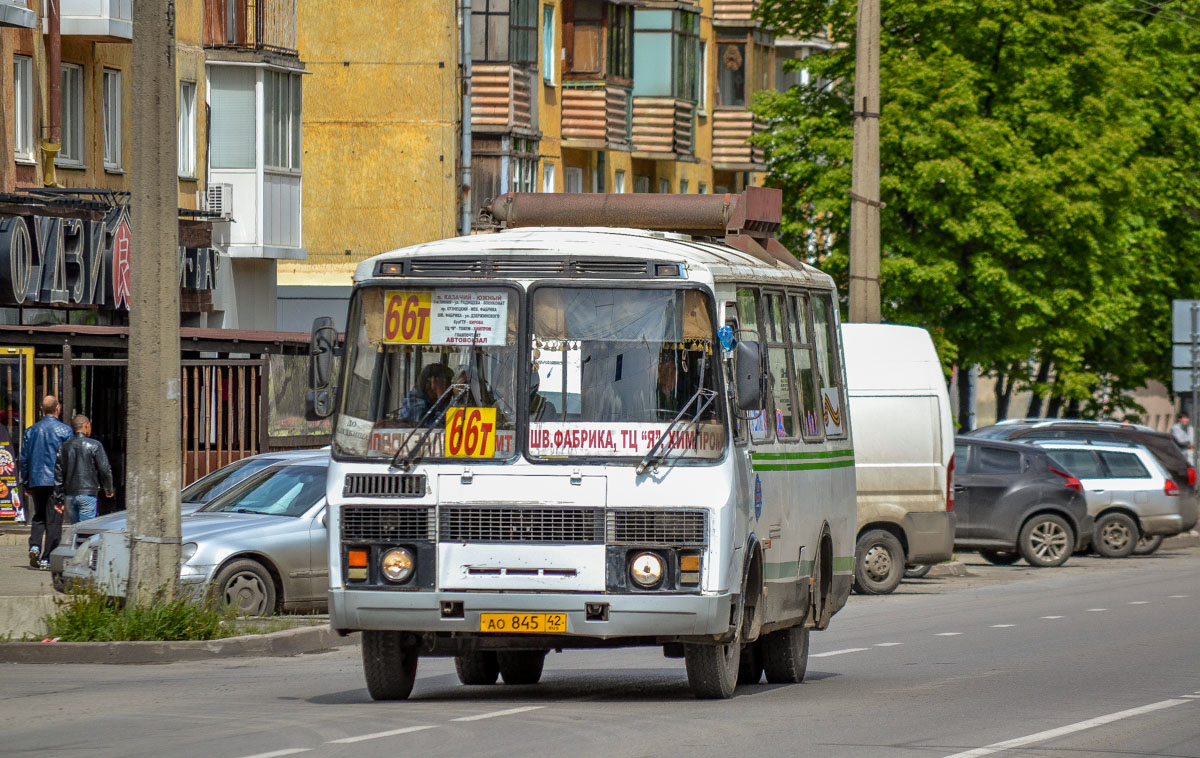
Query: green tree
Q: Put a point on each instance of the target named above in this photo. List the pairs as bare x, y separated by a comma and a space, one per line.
1039, 169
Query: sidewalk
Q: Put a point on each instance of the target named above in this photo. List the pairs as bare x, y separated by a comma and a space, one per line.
27, 595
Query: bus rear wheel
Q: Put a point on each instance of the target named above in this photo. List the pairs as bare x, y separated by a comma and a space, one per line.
785, 655
477, 668
712, 670
390, 666
521, 666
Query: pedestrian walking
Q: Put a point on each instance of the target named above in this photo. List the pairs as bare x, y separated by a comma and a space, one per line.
39, 454
81, 471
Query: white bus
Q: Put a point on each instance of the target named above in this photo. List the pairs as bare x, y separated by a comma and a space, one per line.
620, 421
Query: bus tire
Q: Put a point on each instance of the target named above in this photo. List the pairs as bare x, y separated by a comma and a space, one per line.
750, 670
521, 666
785, 655
712, 670
390, 666
477, 668
879, 563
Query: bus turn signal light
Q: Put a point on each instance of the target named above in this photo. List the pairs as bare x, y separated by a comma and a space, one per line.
357, 559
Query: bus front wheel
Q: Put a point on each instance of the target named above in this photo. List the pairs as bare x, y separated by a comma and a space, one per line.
521, 666
390, 666
712, 670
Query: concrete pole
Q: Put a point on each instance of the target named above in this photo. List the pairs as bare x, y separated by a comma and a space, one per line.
864, 187
153, 453
465, 161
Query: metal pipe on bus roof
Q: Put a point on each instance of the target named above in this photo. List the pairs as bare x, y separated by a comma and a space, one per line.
686, 214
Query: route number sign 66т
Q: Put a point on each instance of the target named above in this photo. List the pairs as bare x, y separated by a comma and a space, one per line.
471, 433
406, 318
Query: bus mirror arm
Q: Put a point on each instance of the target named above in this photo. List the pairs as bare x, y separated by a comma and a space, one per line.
321, 349
749, 378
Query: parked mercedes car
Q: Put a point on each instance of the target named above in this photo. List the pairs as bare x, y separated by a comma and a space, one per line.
1013, 501
261, 546
1129, 493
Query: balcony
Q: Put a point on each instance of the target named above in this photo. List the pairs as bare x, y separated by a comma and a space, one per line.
735, 12
501, 99
663, 127
96, 20
16, 13
250, 25
731, 151
595, 116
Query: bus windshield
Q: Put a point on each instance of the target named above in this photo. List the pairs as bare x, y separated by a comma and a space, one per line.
612, 368
433, 367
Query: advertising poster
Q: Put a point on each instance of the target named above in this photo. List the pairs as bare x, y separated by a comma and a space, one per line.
10, 500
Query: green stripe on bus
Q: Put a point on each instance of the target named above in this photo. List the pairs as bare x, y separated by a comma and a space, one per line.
845, 563
784, 570
801, 456
803, 466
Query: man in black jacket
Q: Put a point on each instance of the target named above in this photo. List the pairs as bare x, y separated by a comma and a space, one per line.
82, 469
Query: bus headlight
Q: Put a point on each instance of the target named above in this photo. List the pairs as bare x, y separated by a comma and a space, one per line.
397, 565
646, 569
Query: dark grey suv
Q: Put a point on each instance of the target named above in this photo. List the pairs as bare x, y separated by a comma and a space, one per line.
1013, 501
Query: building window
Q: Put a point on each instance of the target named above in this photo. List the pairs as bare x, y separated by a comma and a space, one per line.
112, 119
232, 125
743, 68
72, 114
702, 189
620, 41
23, 107
504, 31
586, 48
281, 139
549, 51
548, 177
702, 93
666, 53
664, 187
573, 177
619, 182
684, 185
641, 184
187, 129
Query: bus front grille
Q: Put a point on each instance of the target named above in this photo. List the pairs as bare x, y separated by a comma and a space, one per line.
386, 524
516, 526
384, 485
657, 527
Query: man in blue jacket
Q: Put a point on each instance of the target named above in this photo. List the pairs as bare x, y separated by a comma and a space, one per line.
39, 453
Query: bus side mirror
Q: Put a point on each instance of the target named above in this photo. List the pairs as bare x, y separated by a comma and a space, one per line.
318, 402
749, 381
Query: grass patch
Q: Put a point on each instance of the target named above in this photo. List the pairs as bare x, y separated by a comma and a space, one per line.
88, 615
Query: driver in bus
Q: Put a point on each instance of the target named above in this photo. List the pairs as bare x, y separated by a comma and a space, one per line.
432, 384
666, 399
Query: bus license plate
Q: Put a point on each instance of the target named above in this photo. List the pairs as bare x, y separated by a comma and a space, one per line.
527, 623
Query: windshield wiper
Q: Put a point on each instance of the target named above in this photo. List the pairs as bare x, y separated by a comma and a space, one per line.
406, 464
653, 456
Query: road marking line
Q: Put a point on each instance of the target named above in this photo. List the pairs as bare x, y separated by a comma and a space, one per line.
378, 735
1139, 602
494, 714
947, 634
1051, 617
887, 644
1061, 731
839, 652
1190, 696
1178, 595
274, 753
1096, 610
1002, 626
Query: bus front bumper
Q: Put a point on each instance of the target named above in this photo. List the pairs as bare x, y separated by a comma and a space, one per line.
626, 615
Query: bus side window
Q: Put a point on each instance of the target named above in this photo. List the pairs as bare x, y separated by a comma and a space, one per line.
805, 368
739, 424
747, 298
825, 339
779, 364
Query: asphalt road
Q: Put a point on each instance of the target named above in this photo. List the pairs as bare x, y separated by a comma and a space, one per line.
1098, 658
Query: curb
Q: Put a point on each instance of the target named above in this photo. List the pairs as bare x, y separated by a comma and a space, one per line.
949, 568
1185, 539
313, 639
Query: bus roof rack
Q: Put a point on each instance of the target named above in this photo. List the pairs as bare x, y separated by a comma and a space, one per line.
747, 221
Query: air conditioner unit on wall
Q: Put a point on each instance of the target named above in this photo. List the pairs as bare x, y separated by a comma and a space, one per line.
218, 199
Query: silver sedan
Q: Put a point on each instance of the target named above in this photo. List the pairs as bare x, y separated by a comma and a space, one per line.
261, 546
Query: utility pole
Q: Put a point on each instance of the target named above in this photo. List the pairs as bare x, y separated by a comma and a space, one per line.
465, 161
153, 452
864, 186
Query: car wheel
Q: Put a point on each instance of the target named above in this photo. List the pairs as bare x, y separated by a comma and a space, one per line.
918, 571
1115, 535
246, 586
477, 668
1000, 557
521, 666
750, 670
879, 563
1046, 541
712, 670
389, 665
1147, 545
785, 655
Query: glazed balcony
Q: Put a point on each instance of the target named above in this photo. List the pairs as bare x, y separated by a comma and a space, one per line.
735, 12
501, 99
663, 127
251, 25
96, 20
731, 151
15, 13
596, 116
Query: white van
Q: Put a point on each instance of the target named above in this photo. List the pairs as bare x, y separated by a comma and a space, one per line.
903, 434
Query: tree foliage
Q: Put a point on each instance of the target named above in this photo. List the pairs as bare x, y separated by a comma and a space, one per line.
1039, 162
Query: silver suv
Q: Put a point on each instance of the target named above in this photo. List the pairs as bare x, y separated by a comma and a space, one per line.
1129, 493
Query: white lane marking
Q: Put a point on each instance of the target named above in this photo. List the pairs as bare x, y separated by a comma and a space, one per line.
1190, 696
1178, 595
947, 634
1051, 617
1096, 610
1002, 626
1139, 602
839, 652
494, 714
1050, 734
887, 644
378, 735
274, 753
